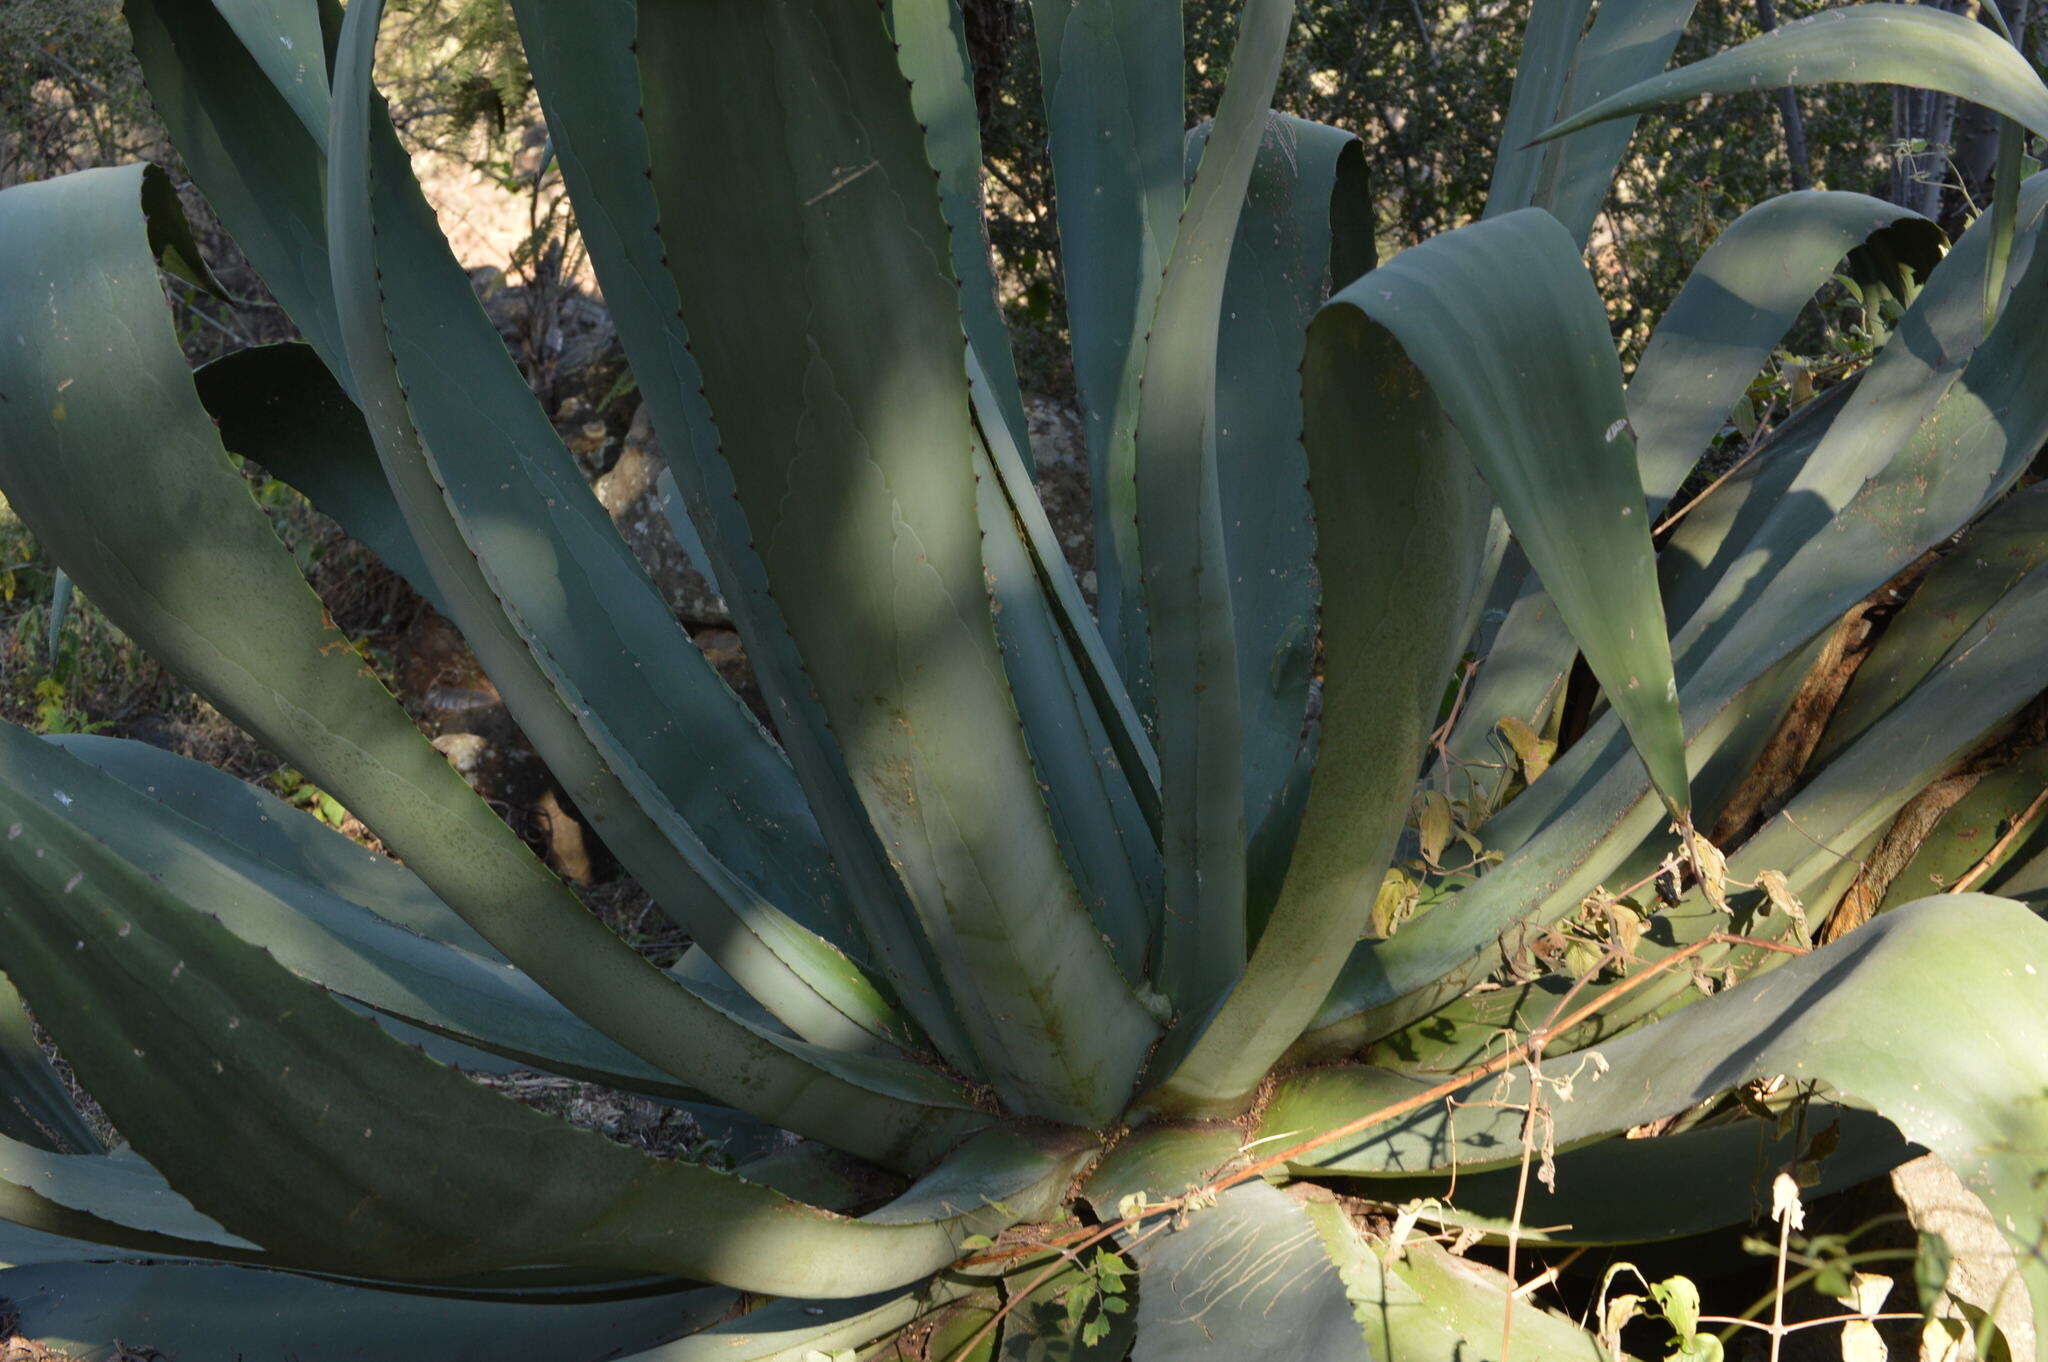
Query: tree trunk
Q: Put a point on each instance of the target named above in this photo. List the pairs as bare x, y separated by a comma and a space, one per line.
1788, 110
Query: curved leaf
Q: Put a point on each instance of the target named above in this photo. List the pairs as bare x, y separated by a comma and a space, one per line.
229, 611
1244, 1280
1623, 1191
1427, 1306
931, 46
1937, 426
1550, 41
104, 1199
195, 1313
1944, 969
1859, 44
259, 824
587, 76
657, 765
653, 747
796, 1330
1737, 303
278, 405
1096, 815
1115, 114
1984, 832
1415, 347
850, 445
1189, 619
1735, 306
1243, 1277
1306, 228
330, 940
1626, 43
419, 1174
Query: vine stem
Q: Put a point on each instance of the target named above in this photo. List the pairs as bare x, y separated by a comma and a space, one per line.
1069, 1246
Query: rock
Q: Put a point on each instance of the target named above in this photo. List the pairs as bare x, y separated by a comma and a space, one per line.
568, 848
1982, 1275
631, 495
1059, 449
721, 647
469, 754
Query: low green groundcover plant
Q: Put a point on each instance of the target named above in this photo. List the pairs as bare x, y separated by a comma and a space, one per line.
1426, 804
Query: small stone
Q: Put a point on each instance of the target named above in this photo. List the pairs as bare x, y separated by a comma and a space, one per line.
468, 753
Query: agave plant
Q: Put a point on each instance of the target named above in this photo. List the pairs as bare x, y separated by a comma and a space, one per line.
1050, 964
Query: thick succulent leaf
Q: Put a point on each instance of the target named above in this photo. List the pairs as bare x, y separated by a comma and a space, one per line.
1623, 1191
1550, 41
1471, 1300
232, 124
2005, 206
1161, 1161
1941, 970
1524, 668
1089, 746
1295, 1263
1115, 114
100, 1312
335, 942
263, 826
24, 1247
263, 400
1939, 425
278, 405
949, 1339
2027, 878
931, 46
668, 764
421, 1173
1563, 466
774, 205
1860, 44
1994, 555
1737, 304
1613, 819
1989, 673
1306, 229
1521, 674
1909, 396
1627, 43
1399, 351
1129, 741
587, 75
35, 1108
229, 612
1721, 528
685, 748
1429, 1307
1244, 1280
1819, 840
1188, 609
798, 1330
103, 1200
1101, 828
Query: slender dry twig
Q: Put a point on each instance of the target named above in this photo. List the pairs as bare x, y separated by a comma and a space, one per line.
1999, 848
1530, 1115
